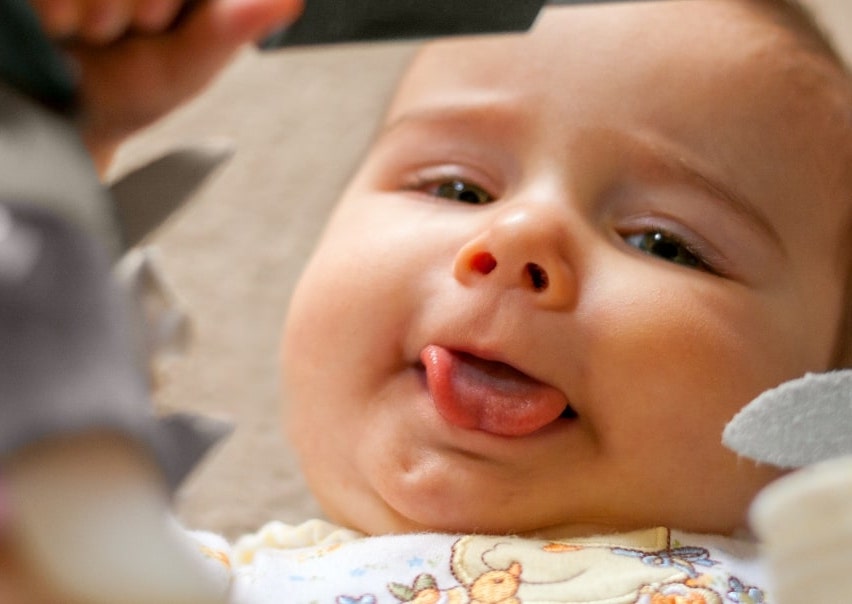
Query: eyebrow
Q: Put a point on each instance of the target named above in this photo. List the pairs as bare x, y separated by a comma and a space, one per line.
473, 108
678, 162
737, 203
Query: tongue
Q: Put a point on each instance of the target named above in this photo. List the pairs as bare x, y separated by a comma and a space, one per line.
476, 394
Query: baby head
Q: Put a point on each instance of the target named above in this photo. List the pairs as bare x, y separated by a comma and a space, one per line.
568, 259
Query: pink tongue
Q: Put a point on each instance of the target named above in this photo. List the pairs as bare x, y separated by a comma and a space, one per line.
476, 394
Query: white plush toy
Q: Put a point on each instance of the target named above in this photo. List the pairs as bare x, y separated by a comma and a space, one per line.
804, 519
86, 469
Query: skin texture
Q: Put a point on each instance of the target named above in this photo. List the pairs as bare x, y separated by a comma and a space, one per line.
583, 138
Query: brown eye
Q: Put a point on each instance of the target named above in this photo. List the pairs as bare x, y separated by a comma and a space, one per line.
667, 247
458, 190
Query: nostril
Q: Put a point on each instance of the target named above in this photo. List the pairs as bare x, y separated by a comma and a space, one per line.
483, 262
538, 276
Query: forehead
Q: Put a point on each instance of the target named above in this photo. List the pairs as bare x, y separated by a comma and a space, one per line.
597, 48
723, 78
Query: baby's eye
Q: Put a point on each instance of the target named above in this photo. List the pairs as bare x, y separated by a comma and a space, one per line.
459, 190
668, 247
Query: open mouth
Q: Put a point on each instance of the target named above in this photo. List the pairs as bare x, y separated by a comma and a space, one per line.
490, 396
568, 413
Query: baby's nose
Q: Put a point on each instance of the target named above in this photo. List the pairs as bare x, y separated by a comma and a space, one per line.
521, 248
484, 262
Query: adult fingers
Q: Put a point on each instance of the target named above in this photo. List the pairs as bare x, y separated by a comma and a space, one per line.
101, 22
153, 16
140, 78
104, 21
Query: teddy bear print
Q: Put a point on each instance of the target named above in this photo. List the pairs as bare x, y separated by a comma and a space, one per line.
491, 569
677, 593
497, 586
492, 587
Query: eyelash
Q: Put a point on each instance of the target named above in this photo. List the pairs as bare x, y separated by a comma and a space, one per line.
453, 189
687, 252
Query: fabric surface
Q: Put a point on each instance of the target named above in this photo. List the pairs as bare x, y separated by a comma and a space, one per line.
655, 565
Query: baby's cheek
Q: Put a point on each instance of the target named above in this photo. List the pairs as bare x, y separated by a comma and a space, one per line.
670, 373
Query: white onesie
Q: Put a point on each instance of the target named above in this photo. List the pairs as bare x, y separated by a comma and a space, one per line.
318, 563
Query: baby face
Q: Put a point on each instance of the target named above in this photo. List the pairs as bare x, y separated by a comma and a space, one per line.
569, 258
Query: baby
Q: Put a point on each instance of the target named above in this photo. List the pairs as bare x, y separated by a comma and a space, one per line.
568, 259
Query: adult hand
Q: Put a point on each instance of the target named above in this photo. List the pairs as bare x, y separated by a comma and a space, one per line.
139, 59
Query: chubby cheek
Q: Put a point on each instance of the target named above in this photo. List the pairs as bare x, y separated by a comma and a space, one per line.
344, 334
314, 387
320, 347
685, 364
686, 369
359, 295
347, 298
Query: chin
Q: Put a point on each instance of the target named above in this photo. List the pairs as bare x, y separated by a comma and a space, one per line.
438, 515
375, 516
